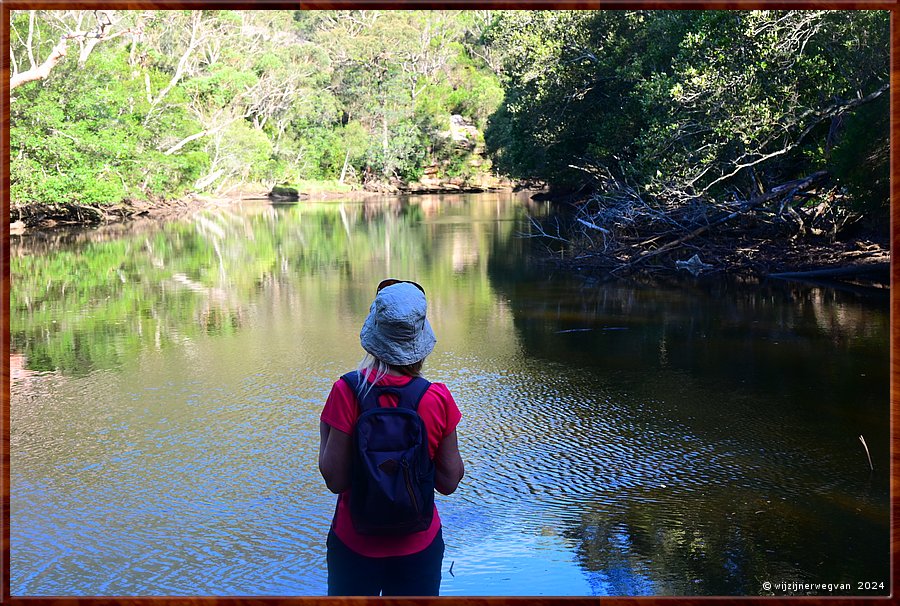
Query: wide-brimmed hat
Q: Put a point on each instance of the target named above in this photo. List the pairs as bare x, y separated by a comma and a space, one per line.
397, 330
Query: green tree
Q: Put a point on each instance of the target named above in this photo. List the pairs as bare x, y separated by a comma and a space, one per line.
68, 146
688, 103
205, 100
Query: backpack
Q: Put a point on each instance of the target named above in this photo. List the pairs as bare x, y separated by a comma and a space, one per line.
392, 475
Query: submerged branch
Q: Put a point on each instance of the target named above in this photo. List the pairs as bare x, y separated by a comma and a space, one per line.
835, 272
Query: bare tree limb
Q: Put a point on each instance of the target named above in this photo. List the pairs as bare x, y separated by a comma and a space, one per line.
13, 63
185, 141
28, 46
43, 70
194, 42
195, 136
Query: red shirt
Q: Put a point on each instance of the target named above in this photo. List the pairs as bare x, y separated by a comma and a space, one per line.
440, 415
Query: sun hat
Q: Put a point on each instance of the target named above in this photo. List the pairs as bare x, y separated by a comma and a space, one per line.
396, 330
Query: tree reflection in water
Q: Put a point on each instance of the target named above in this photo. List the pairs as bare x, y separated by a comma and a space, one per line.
621, 438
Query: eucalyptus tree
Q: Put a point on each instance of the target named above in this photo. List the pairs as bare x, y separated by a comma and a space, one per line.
79, 134
37, 45
248, 76
396, 73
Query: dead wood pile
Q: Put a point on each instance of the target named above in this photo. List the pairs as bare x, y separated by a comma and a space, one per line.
619, 231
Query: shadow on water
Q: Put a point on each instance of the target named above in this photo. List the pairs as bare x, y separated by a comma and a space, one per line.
722, 426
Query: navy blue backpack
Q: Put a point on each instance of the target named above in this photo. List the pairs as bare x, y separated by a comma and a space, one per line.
392, 475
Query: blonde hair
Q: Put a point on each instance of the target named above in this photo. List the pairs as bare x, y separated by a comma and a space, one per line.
378, 369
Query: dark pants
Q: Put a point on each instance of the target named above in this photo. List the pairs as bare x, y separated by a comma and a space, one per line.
352, 574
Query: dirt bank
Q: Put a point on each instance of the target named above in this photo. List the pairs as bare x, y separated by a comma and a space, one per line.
48, 216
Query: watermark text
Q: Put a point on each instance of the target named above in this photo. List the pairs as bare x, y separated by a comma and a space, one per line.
802, 587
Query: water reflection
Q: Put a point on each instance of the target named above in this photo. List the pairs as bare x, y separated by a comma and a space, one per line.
84, 300
619, 439
721, 426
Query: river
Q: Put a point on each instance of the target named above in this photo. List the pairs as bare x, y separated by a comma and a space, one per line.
620, 439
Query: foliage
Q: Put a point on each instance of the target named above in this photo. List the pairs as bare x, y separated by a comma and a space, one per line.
207, 100
686, 103
680, 104
860, 161
67, 146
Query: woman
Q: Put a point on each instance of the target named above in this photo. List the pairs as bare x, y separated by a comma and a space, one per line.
397, 338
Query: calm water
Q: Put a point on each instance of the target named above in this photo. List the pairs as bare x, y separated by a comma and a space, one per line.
619, 439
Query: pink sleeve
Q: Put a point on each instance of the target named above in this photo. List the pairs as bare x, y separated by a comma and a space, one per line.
340, 407
452, 415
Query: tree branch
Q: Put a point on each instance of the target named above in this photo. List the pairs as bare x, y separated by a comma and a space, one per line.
182, 63
13, 63
185, 141
823, 115
43, 70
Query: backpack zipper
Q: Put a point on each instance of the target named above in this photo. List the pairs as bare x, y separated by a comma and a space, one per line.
409, 488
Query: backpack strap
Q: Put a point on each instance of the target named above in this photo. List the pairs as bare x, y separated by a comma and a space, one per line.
409, 394
352, 379
413, 392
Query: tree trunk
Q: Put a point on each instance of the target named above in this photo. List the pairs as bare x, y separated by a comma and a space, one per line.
835, 272
384, 139
344, 169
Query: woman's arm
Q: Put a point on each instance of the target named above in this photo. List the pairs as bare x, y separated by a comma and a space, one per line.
334, 457
448, 463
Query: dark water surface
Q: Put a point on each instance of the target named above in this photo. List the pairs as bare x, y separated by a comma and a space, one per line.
619, 439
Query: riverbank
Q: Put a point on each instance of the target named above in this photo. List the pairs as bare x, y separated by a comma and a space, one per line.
862, 259
48, 216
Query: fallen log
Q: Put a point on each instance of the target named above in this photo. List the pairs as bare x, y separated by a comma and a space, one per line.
835, 272
790, 188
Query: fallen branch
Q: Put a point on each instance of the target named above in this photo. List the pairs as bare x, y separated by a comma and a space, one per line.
791, 187
834, 272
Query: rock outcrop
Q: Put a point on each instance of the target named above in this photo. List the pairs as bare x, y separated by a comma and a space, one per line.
285, 193
471, 170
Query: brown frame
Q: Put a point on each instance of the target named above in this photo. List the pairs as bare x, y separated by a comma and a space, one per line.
7, 5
